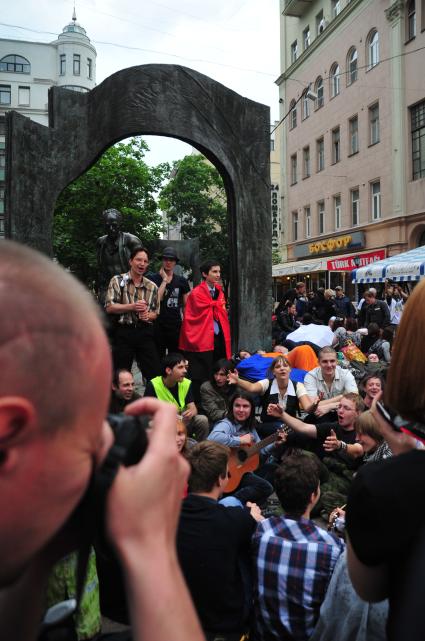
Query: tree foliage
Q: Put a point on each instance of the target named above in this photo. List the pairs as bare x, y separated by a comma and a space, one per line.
195, 198
120, 179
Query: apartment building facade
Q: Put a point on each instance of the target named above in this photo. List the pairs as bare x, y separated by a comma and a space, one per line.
29, 69
353, 146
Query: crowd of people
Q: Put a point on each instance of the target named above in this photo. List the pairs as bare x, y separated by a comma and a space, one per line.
273, 483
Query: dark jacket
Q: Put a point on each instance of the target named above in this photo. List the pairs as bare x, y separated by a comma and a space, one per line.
344, 307
377, 312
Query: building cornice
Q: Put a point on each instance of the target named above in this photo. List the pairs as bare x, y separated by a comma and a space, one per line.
319, 40
395, 11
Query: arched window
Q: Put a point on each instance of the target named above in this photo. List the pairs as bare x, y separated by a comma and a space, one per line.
292, 115
411, 19
335, 80
352, 66
15, 64
372, 49
319, 91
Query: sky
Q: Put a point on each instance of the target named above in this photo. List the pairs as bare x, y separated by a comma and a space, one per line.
235, 42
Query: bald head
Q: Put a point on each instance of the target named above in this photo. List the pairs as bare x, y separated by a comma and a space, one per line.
51, 336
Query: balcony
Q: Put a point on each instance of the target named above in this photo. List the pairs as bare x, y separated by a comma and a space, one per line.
296, 8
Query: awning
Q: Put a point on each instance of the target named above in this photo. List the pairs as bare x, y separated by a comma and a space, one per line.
408, 266
299, 267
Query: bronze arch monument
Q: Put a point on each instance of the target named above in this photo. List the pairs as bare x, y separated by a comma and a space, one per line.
164, 100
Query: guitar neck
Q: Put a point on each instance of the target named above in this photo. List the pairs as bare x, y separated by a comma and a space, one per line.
254, 449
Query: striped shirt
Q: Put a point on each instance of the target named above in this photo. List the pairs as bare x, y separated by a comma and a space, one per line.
293, 564
122, 290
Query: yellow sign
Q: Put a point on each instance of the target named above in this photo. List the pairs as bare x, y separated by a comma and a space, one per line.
330, 244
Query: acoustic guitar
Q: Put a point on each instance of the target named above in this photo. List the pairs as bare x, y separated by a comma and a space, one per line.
246, 458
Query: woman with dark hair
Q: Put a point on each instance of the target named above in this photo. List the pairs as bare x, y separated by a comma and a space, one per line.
216, 393
238, 430
373, 333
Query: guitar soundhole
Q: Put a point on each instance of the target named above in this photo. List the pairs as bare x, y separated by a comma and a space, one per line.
242, 456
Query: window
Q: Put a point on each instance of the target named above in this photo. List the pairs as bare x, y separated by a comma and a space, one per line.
320, 154
375, 193
5, 95
306, 162
337, 210
306, 38
353, 134
321, 217
305, 106
2, 162
374, 124
417, 115
319, 23
294, 51
372, 49
15, 64
355, 207
336, 8
271, 144
293, 169
318, 88
24, 96
293, 115
62, 64
76, 64
307, 216
411, 19
295, 230
89, 68
336, 145
1, 200
352, 66
335, 80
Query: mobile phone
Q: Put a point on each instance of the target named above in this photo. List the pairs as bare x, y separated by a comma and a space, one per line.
387, 414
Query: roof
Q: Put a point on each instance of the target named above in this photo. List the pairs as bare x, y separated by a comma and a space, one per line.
408, 266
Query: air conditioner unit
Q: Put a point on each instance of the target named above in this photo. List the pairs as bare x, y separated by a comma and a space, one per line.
322, 25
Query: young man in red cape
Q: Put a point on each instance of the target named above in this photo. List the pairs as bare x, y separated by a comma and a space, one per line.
205, 333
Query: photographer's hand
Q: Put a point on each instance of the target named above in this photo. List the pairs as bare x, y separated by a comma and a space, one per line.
143, 509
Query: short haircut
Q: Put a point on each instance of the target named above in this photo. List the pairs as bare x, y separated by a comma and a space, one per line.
50, 337
138, 249
208, 462
114, 212
405, 392
370, 294
366, 379
366, 424
295, 481
326, 350
171, 360
116, 377
299, 284
207, 265
250, 422
356, 399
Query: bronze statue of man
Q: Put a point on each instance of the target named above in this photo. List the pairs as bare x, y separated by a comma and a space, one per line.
113, 250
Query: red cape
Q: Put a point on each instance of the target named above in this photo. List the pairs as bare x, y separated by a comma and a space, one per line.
197, 332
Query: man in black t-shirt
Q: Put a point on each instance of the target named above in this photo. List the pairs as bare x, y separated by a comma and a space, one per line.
213, 545
337, 447
172, 291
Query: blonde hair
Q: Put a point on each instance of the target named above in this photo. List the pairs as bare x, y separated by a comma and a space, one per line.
366, 424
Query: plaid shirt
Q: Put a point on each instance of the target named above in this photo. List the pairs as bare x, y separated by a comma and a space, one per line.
122, 290
293, 563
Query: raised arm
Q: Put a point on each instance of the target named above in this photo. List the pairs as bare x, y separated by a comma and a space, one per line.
253, 388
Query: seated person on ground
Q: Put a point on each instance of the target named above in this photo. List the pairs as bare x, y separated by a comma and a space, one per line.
337, 447
239, 429
217, 392
293, 557
329, 381
370, 386
122, 391
279, 389
173, 386
213, 545
374, 446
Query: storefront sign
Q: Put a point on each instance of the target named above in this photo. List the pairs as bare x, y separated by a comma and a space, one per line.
347, 263
275, 217
330, 245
